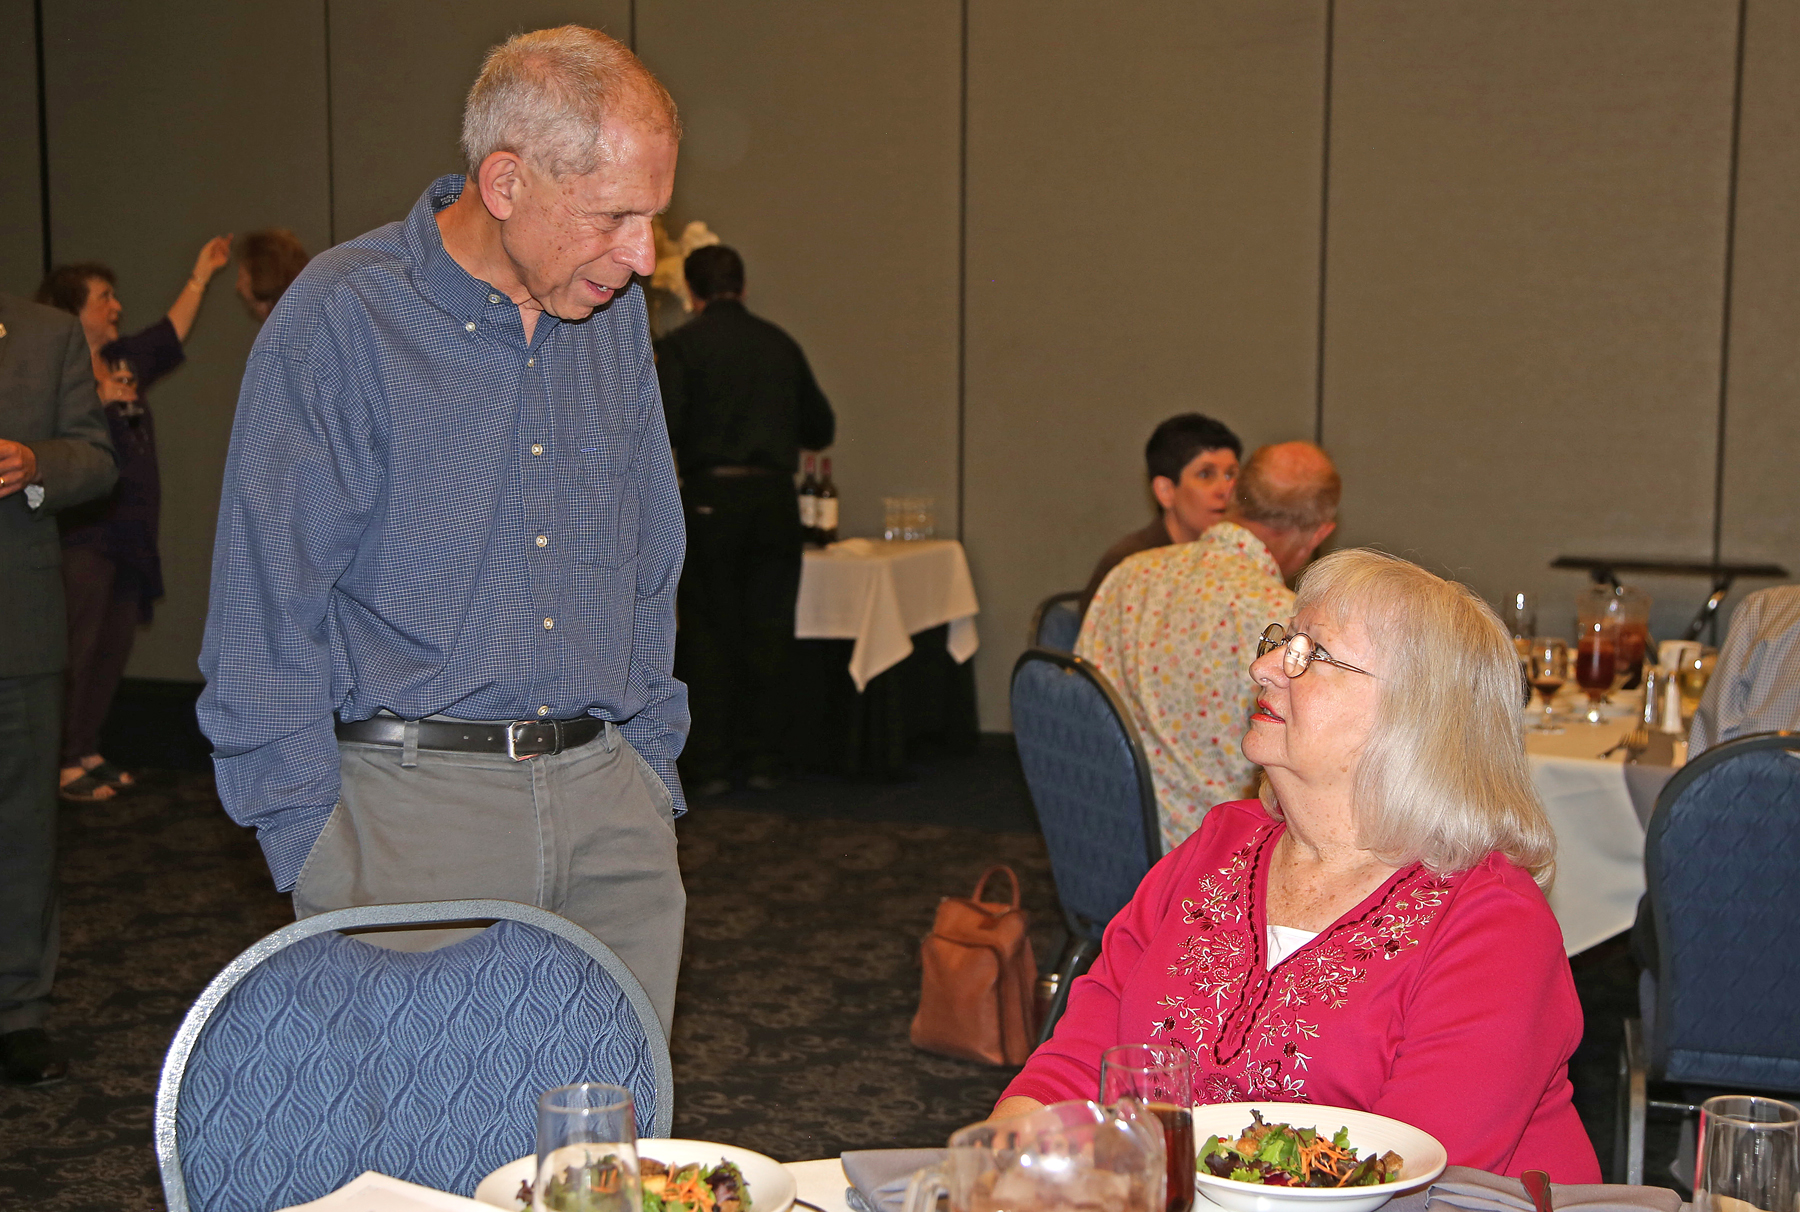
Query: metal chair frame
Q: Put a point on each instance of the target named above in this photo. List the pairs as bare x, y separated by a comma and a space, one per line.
1083, 946
1634, 1103
1037, 616
373, 918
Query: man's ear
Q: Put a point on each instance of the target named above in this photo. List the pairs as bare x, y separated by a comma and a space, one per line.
1163, 489
501, 179
1319, 536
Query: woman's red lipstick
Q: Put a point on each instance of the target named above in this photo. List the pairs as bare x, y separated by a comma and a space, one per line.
1264, 711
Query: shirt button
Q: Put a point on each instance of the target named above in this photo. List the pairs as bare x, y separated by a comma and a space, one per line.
537, 448
531, 361
549, 623
469, 327
542, 541
543, 711
493, 298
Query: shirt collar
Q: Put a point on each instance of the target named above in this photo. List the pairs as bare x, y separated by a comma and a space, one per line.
450, 285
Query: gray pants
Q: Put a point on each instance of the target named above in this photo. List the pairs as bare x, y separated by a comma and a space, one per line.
30, 722
588, 834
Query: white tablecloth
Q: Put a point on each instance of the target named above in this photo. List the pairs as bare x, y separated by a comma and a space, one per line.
821, 1182
881, 594
1599, 838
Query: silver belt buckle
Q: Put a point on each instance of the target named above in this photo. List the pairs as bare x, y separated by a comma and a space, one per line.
514, 733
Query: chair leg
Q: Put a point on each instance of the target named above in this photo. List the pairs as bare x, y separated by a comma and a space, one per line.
1076, 961
1633, 1107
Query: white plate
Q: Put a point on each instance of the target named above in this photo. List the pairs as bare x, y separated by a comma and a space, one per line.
771, 1186
1423, 1158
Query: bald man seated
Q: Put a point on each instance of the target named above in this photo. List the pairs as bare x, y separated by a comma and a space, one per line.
1175, 628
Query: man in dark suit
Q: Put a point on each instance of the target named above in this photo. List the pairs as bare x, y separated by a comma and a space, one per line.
54, 452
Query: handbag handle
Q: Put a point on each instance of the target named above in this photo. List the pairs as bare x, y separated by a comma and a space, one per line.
986, 875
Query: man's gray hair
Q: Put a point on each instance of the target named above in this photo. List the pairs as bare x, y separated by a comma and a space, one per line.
1290, 486
546, 95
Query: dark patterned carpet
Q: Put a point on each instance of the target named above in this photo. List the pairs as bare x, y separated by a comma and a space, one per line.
800, 974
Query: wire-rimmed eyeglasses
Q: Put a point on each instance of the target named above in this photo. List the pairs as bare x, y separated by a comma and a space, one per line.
1299, 651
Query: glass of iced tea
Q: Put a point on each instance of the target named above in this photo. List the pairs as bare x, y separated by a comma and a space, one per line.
1161, 1077
1596, 660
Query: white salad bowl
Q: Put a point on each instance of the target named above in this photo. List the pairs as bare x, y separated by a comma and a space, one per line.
771, 1186
1422, 1157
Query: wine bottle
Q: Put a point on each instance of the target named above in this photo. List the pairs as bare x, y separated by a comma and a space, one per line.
809, 504
827, 516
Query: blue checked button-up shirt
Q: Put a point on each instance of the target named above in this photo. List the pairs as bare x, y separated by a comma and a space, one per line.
425, 515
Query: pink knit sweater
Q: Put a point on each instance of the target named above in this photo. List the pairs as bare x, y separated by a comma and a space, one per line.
1442, 1001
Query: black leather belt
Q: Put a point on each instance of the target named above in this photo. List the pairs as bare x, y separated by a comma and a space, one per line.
733, 470
518, 740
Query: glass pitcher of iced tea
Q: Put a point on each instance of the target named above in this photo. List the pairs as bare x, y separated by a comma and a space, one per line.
1067, 1156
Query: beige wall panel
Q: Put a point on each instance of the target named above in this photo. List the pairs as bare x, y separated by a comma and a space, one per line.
400, 70
21, 216
1143, 240
170, 123
1762, 437
1528, 205
822, 145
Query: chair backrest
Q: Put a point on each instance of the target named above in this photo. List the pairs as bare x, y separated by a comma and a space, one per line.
315, 1056
1089, 781
1720, 857
1056, 623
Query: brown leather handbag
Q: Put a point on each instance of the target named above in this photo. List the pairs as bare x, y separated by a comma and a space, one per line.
978, 999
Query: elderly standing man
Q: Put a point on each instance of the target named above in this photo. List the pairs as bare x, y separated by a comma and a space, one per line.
438, 653
54, 452
1175, 629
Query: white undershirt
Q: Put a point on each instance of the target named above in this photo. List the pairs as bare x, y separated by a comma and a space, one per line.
1285, 940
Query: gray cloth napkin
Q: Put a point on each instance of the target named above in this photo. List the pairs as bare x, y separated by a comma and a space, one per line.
1478, 1191
878, 1177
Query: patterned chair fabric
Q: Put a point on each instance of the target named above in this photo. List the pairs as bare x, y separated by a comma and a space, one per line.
1090, 783
326, 1056
1720, 855
1056, 623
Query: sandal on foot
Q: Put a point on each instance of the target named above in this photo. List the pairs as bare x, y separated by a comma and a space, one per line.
85, 790
113, 776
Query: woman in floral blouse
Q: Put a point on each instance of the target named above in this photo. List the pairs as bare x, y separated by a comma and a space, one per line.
1373, 933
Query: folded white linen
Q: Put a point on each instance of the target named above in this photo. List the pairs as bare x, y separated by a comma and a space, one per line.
374, 1192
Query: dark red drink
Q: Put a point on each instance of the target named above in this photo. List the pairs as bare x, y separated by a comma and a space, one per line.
1595, 665
1633, 639
1547, 687
1178, 1141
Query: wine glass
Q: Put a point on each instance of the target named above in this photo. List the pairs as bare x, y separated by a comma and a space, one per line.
587, 1150
1520, 616
1748, 1154
1549, 670
1161, 1077
1596, 661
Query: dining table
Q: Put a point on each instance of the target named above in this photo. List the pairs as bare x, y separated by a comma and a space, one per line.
1599, 804
880, 594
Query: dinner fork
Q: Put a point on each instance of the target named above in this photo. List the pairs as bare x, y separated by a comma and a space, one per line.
1633, 743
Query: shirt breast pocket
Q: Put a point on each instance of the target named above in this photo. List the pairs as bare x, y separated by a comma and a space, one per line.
605, 511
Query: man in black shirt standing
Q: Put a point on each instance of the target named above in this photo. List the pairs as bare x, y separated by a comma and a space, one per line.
741, 403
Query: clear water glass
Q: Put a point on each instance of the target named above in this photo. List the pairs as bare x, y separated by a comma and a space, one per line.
1747, 1157
587, 1150
1161, 1078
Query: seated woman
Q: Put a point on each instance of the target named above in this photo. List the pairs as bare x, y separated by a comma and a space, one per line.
1372, 934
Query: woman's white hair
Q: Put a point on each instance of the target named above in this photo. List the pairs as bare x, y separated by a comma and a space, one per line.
546, 95
1443, 778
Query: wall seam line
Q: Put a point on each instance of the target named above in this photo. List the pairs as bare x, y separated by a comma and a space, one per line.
43, 134
962, 273
1324, 227
1731, 189
330, 139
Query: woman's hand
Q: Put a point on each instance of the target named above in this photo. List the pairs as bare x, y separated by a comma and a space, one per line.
213, 256
118, 385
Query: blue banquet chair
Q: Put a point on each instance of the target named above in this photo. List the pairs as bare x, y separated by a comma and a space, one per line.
315, 1056
1091, 786
1056, 623
1718, 1012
